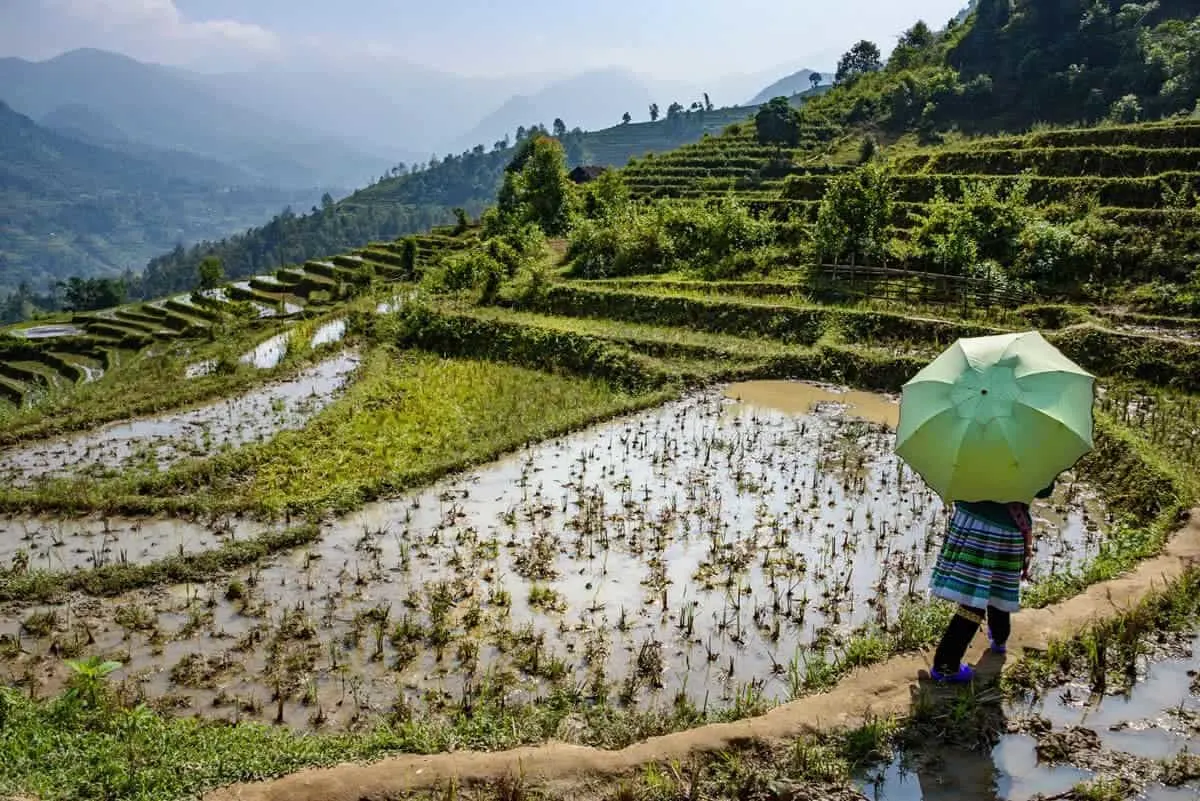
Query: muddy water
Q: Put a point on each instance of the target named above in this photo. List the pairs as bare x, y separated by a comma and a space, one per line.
265, 310
1182, 334
699, 548
1157, 720
269, 353
72, 544
394, 303
799, 398
162, 440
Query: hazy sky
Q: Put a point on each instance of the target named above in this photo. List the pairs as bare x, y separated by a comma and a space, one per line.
660, 38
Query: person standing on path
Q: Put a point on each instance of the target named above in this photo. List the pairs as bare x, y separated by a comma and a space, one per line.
986, 554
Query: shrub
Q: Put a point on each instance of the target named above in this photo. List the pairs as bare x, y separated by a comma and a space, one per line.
467, 270
1054, 254
1126, 110
855, 212
608, 194
946, 237
631, 242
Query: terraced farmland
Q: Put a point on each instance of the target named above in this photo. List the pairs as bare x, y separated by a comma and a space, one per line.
434, 495
1133, 171
36, 357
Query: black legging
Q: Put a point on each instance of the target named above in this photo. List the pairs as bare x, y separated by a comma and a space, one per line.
958, 635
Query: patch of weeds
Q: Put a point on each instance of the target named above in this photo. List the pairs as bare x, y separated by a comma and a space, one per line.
116, 579
546, 599
410, 418
1107, 653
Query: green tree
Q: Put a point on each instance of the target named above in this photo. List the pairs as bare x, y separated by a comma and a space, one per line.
855, 212
626, 118
87, 294
560, 128
653, 112
674, 110
210, 273
605, 196
815, 79
1126, 110
861, 59
1174, 47
536, 188
408, 257
914, 47
777, 123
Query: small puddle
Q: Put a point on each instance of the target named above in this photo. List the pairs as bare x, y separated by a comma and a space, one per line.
165, 439
47, 331
797, 397
1157, 720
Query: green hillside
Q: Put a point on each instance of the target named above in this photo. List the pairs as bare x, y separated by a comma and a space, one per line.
72, 208
413, 202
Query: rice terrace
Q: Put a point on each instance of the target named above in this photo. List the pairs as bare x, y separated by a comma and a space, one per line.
595, 493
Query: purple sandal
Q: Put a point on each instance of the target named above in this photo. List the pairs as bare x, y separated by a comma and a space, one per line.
997, 647
965, 674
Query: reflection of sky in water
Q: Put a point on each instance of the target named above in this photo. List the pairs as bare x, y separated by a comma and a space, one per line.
169, 437
1141, 724
742, 518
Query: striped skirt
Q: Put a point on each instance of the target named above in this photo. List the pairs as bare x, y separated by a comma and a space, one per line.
980, 564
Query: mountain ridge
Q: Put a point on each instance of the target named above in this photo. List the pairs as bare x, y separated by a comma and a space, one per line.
69, 207
168, 109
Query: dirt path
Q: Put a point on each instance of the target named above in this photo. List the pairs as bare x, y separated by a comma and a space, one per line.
876, 691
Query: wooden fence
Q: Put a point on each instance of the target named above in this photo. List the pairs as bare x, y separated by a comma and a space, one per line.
912, 286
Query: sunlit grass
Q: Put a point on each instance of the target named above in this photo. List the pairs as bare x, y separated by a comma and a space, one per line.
412, 416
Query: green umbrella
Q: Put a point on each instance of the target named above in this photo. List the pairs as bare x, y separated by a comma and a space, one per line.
996, 418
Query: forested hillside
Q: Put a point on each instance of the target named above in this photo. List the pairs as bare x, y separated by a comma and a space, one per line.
1004, 67
417, 197
72, 208
1011, 65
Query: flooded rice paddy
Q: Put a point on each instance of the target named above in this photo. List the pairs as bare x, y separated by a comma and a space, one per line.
59, 545
162, 440
47, 331
710, 547
270, 353
1067, 736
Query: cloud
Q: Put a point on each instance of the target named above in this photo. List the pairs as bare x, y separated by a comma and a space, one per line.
151, 30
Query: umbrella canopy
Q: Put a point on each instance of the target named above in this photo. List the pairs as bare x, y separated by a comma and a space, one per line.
996, 418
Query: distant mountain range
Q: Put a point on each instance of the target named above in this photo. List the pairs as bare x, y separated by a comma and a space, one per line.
71, 207
171, 109
598, 99
108, 161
